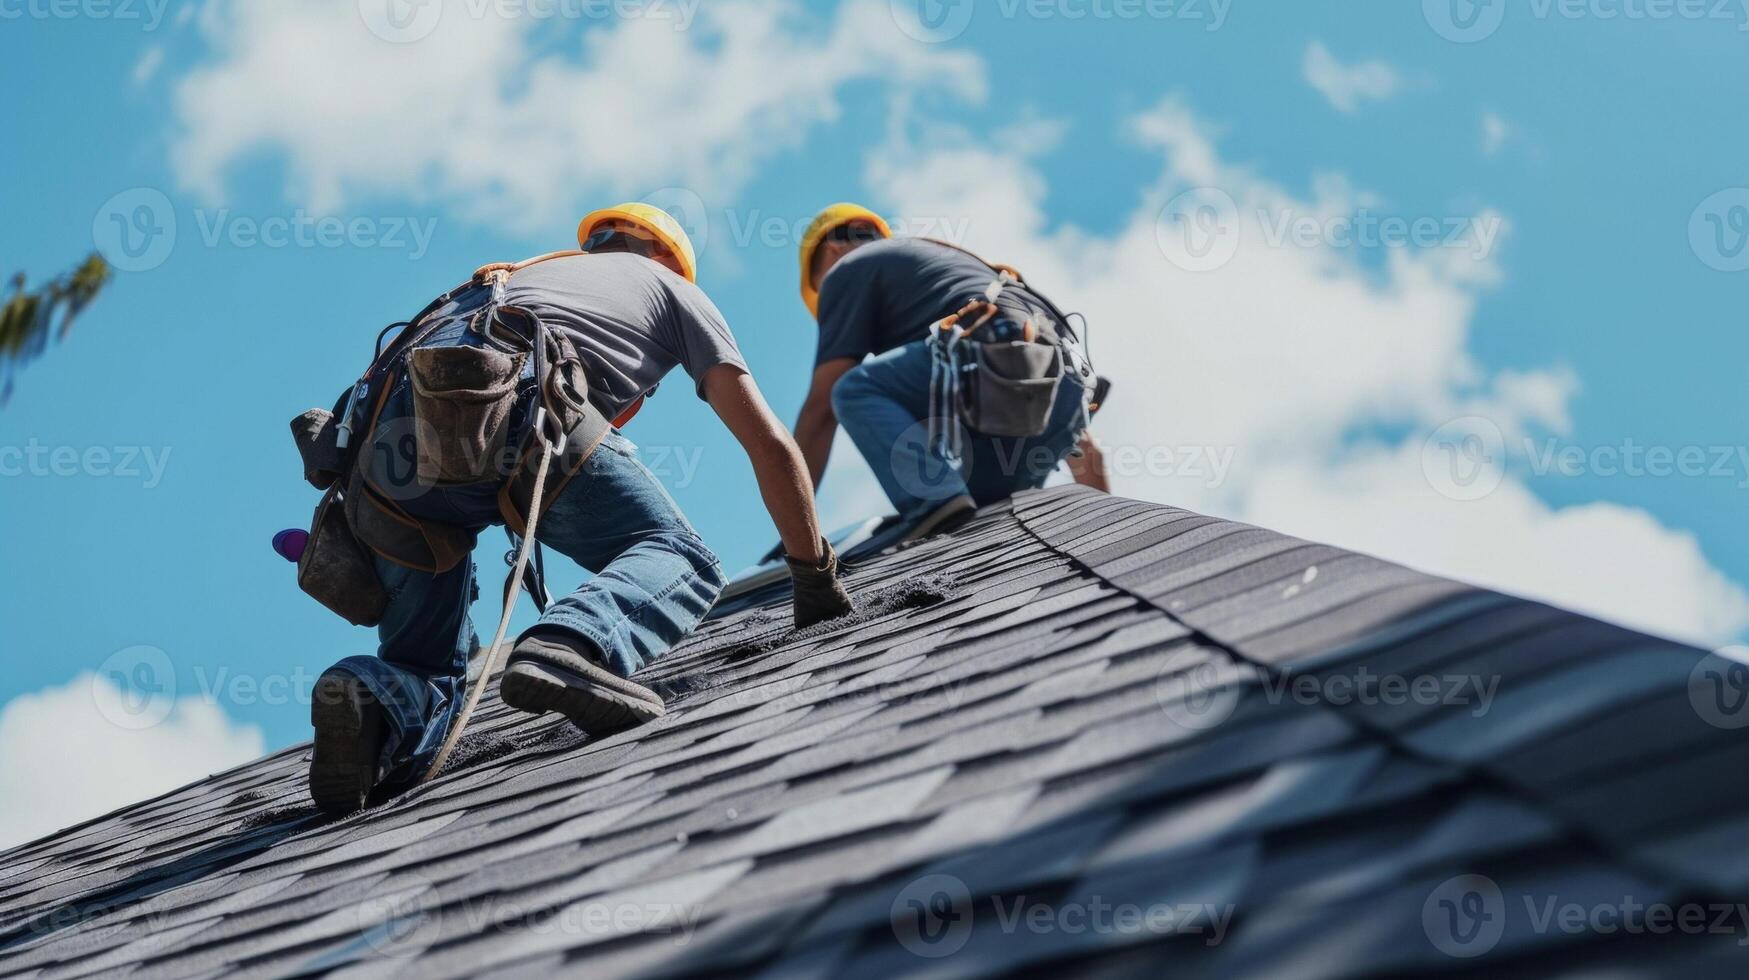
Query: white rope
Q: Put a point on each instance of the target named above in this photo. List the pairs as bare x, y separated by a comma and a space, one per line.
461, 721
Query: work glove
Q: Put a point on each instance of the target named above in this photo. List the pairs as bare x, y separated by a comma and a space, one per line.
818, 595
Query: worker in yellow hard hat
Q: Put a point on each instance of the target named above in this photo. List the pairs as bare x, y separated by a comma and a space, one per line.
832, 234
875, 299
601, 328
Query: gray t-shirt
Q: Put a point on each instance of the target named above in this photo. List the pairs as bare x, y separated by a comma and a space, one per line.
632, 320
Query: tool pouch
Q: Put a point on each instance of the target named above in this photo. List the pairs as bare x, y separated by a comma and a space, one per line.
385, 527
336, 570
462, 397
1010, 388
317, 434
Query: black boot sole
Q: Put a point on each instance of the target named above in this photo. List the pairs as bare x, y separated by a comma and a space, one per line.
599, 702
349, 737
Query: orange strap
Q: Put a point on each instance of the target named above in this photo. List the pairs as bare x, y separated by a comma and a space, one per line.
490, 269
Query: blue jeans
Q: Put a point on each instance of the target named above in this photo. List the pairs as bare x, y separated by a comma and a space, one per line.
654, 580
883, 404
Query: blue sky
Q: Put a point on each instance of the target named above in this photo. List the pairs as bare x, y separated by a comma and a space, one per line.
1584, 166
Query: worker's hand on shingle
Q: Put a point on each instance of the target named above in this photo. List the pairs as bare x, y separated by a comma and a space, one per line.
819, 596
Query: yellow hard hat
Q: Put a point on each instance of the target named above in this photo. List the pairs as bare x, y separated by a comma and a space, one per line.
836, 216
652, 219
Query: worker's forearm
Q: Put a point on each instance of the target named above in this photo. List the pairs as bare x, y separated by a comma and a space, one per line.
789, 496
814, 434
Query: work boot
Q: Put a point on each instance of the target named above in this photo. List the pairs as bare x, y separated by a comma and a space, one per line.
349, 741
556, 670
949, 515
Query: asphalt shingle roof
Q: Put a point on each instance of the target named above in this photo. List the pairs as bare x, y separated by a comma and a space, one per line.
1081, 732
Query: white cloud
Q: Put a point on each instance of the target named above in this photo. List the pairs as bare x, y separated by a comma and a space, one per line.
1291, 361
1613, 562
147, 67
64, 759
486, 115
1495, 133
1347, 86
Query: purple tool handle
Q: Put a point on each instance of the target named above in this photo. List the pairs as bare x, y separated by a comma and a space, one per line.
290, 543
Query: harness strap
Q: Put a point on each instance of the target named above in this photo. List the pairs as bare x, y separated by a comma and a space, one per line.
491, 661
529, 483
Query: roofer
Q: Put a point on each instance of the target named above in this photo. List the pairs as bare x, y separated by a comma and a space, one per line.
977, 387
492, 407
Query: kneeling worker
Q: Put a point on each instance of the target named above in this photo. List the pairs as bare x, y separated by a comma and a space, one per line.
956, 344
499, 395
